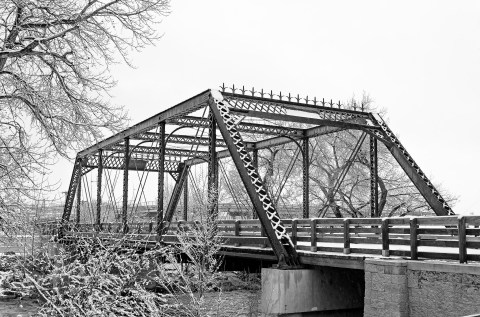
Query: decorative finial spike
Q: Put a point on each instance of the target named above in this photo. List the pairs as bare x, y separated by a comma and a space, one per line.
315, 101
253, 91
243, 90
289, 97
280, 95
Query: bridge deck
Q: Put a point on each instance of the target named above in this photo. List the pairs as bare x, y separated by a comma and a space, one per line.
325, 241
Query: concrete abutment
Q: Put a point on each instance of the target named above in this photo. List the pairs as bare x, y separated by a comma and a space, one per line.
421, 288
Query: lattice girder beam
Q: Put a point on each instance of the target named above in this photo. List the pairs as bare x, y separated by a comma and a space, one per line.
287, 102
178, 139
161, 172
117, 162
168, 151
277, 234
373, 177
306, 120
245, 127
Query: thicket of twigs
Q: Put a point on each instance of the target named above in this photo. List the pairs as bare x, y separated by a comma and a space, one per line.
118, 277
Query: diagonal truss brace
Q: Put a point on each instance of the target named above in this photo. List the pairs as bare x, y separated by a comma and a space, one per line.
433, 197
72, 190
173, 203
276, 232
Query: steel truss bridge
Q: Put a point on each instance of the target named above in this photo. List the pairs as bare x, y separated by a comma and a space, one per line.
238, 124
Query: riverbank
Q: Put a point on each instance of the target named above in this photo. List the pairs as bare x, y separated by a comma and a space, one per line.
243, 303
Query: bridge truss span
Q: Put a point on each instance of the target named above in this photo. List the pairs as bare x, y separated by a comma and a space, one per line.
209, 148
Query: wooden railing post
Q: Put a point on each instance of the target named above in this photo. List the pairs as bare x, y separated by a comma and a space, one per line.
237, 232
313, 235
150, 227
294, 232
413, 238
263, 234
462, 239
346, 236
180, 227
385, 237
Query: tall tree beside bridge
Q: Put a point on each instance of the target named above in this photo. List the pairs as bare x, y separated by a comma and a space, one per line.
54, 77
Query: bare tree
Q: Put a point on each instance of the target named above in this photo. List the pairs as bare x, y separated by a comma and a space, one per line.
54, 80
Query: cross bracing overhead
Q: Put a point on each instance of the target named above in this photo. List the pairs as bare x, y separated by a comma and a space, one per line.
236, 124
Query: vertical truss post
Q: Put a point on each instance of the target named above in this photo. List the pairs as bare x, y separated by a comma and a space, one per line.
276, 232
306, 178
255, 164
79, 197
373, 177
161, 175
99, 189
126, 163
185, 199
212, 164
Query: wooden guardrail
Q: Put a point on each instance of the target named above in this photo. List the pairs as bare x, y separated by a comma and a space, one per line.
449, 237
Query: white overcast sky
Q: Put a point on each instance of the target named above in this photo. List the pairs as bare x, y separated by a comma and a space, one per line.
420, 60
